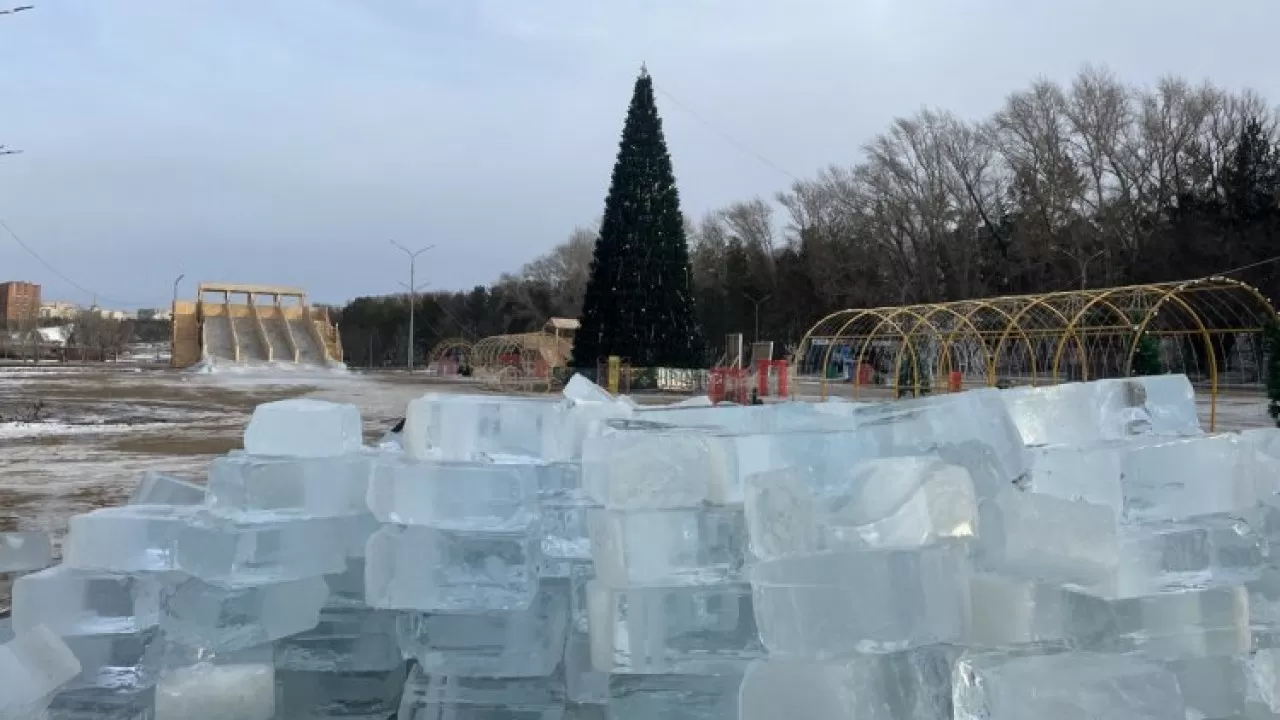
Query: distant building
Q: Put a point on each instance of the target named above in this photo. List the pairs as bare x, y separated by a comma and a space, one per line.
19, 301
58, 310
155, 314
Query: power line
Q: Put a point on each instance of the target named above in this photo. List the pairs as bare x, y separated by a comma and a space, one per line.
726, 136
48, 266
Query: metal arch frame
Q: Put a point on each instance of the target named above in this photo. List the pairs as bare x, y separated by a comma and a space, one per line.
444, 346
1209, 307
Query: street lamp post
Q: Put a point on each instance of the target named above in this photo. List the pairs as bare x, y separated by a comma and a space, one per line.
1082, 264
413, 261
176, 280
756, 302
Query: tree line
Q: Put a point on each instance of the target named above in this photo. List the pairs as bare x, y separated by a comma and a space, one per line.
1092, 183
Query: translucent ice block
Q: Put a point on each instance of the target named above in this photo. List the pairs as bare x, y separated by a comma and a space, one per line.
1050, 538
196, 613
692, 630
647, 469
6, 629
673, 697
524, 643
103, 704
1215, 686
420, 568
1064, 687
1188, 476
32, 668
1091, 473
211, 691
583, 682
429, 697
24, 551
1170, 403
1009, 610
1181, 623
85, 602
668, 547
346, 640
130, 538
1211, 549
565, 539
910, 685
121, 662
887, 502
834, 603
311, 695
465, 427
454, 495
304, 428
160, 489
1083, 413
268, 547
240, 483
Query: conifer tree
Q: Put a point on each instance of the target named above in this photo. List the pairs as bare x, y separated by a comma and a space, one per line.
639, 298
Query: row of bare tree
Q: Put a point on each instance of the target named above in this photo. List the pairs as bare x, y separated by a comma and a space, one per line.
1095, 183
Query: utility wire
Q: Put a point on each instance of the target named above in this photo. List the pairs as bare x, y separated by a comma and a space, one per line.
726, 136
48, 266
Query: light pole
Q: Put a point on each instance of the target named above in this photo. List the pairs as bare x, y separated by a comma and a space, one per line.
174, 309
756, 302
1082, 264
20, 8
413, 261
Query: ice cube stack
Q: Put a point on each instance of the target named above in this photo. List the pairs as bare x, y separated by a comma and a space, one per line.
1081, 550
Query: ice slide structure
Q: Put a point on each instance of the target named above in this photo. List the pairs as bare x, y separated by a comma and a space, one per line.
249, 325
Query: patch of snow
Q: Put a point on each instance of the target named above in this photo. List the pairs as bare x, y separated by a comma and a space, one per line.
16, 430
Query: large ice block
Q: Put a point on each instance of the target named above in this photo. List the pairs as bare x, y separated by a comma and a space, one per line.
1009, 610
1170, 403
1049, 538
454, 495
1064, 686
646, 469
240, 483
465, 427
668, 547
312, 695
431, 697
32, 668
1214, 686
200, 614
24, 551
99, 703
302, 427
873, 601
263, 548
521, 643
885, 502
211, 691
1085, 413
565, 538
129, 538
1184, 477
673, 697
85, 602
1091, 473
1197, 552
584, 684
691, 630
160, 489
1181, 623
910, 685
419, 568
121, 662
346, 640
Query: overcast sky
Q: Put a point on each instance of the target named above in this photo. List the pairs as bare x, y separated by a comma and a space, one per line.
285, 141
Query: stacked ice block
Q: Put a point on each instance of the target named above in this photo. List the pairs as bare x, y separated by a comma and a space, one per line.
20, 553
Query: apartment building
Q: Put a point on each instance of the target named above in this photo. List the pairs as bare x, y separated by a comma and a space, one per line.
19, 301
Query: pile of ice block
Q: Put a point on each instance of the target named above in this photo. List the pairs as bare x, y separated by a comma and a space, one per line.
1078, 551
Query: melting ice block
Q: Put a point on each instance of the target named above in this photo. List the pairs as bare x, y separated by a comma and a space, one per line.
1091, 473
1009, 610
24, 551
1191, 476
1066, 686
647, 469
85, 602
668, 547
346, 640
464, 427
306, 695
129, 538
454, 495
673, 697
1181, 623
429, 697
1196, 552
32, 668
522, 643
241, 484
887, 502
161, 489
199, 614
419, 568
124, 663
304, 428
211, 691
1085, 413
910, 685
873, 601
263, 548
694, 630
100, 703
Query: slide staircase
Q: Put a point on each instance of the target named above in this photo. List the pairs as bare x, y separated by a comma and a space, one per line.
273, 325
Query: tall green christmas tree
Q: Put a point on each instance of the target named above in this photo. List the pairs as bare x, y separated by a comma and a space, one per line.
639, 299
